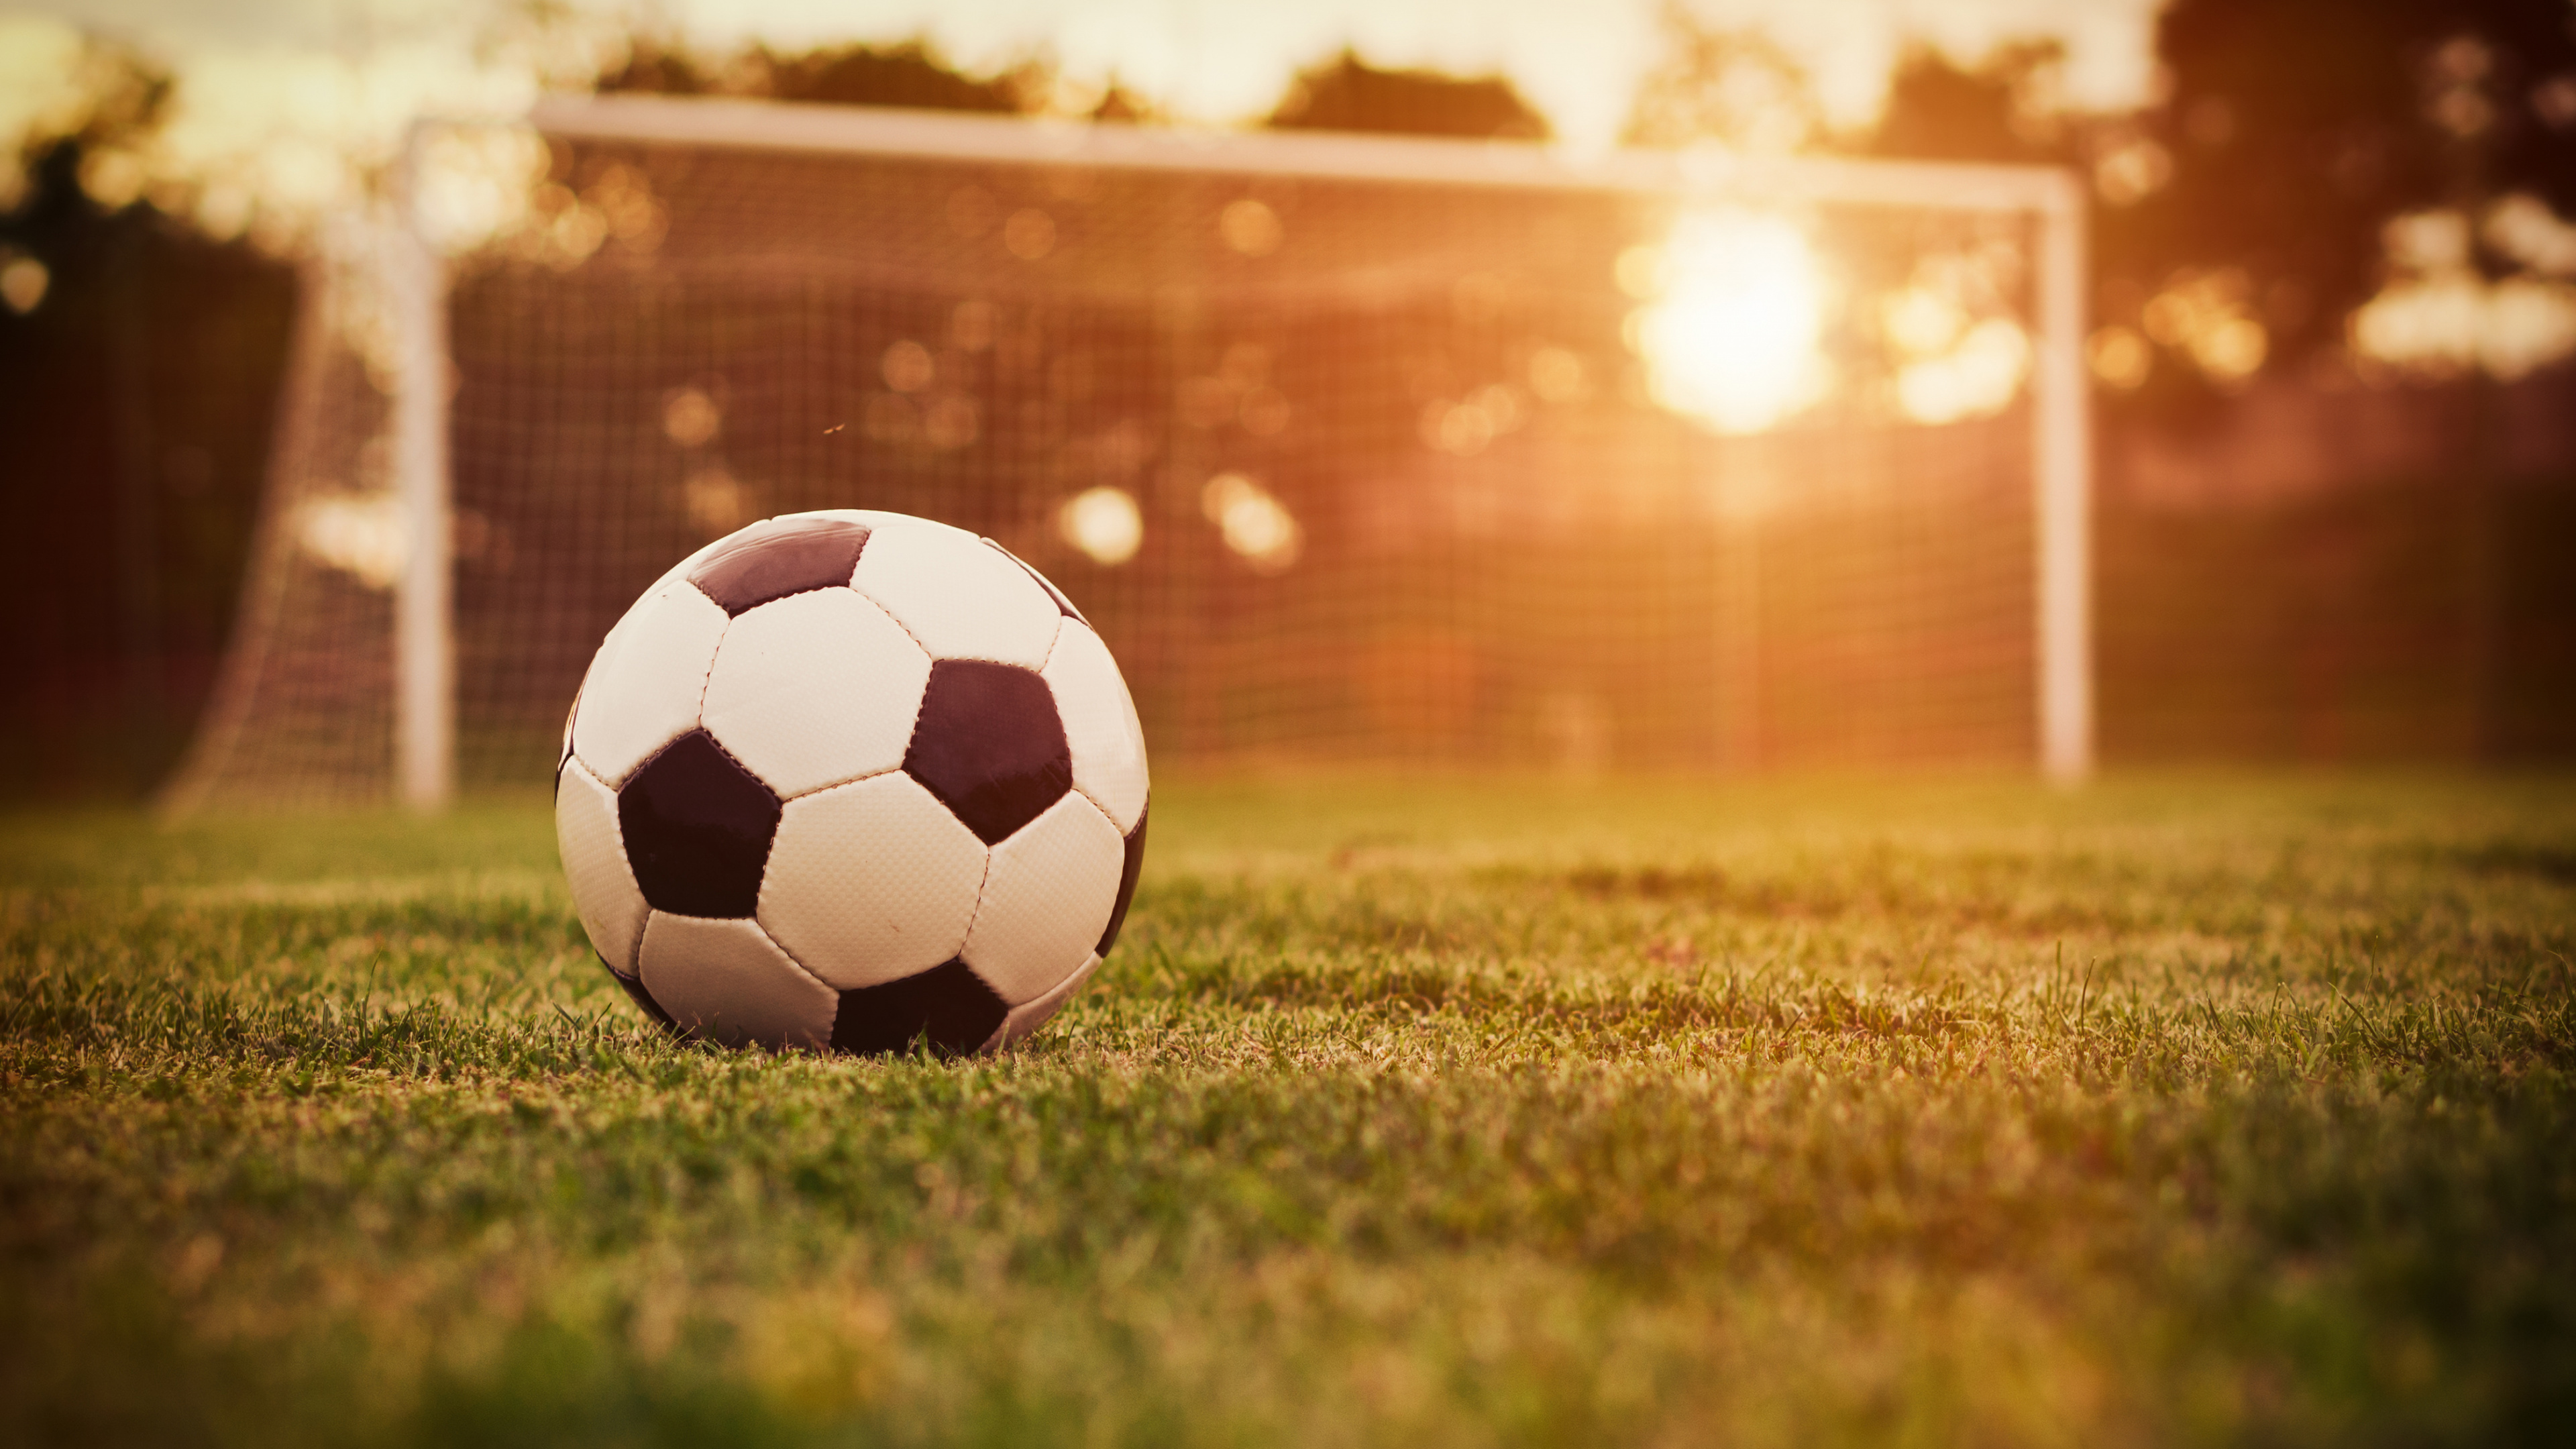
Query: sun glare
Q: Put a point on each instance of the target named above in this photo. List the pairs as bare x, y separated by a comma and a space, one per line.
1734, 309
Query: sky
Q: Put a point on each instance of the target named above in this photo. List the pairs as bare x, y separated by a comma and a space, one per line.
279, 102
283, 108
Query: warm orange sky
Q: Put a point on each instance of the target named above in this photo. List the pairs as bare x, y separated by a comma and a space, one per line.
282, 105
1220, 59
275, 95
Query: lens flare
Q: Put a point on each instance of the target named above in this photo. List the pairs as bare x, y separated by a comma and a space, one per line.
1731, 335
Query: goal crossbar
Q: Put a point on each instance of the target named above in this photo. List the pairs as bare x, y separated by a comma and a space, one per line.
956, 136
2061, 442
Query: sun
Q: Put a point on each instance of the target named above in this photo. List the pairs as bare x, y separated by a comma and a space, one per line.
1734, 314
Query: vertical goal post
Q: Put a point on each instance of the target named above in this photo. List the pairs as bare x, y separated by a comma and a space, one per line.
424, 651
424, 658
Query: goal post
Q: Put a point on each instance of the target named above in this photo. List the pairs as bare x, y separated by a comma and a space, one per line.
1306, 479
2062, 441
424, 651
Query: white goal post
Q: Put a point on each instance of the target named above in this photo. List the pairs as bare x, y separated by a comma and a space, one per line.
424, 669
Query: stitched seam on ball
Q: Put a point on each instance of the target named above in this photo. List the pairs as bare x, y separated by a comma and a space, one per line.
641, 937
737, 759
659, 751
982, 884
893, 769
790, 594
1089, 964
771, 846
1055, 596
879, 605
919, 704
1103, 812
617, 829
700, 715
625, 862
1096, 803
924, 645
771, 937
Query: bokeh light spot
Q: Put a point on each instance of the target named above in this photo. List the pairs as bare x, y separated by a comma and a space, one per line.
690, 418
1104, 523
1029, 234
1557, 375
1250, 227
908, 366
2119, 357
23, 282
1256, 525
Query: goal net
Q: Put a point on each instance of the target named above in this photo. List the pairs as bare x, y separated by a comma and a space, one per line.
1355, 450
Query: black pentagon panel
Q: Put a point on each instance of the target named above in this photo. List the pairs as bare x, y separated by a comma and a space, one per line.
777, 557
697, 827
1063, 605
636, 993
989, 744
1127, 874
948, 1003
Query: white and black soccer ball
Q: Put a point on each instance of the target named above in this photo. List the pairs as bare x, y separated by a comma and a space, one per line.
851, 779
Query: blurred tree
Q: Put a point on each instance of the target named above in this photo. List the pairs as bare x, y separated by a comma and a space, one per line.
1738, 90
1999, 111
904, 75
1348, 94
1118, 103
2308, 174
2296, 130
658, 67
909, 74
138, 366
2308, 155
2242, 215
1342, 94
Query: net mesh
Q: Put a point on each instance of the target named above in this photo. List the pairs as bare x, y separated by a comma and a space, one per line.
1343, 470
303, 706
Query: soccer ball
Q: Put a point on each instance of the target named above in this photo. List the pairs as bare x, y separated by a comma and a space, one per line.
849, 780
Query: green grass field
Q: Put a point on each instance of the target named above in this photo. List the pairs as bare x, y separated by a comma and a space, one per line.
2232, 1109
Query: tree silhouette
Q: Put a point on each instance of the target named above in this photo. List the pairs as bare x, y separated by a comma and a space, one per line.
2287, 135
1348, 94
909, 74
136, 392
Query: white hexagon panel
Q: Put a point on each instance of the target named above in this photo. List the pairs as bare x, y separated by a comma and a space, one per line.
727, 981
645, 686
871, 881
1100, 724
814, 689
960, 596
1047, 899
1028, 1016
604, 893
